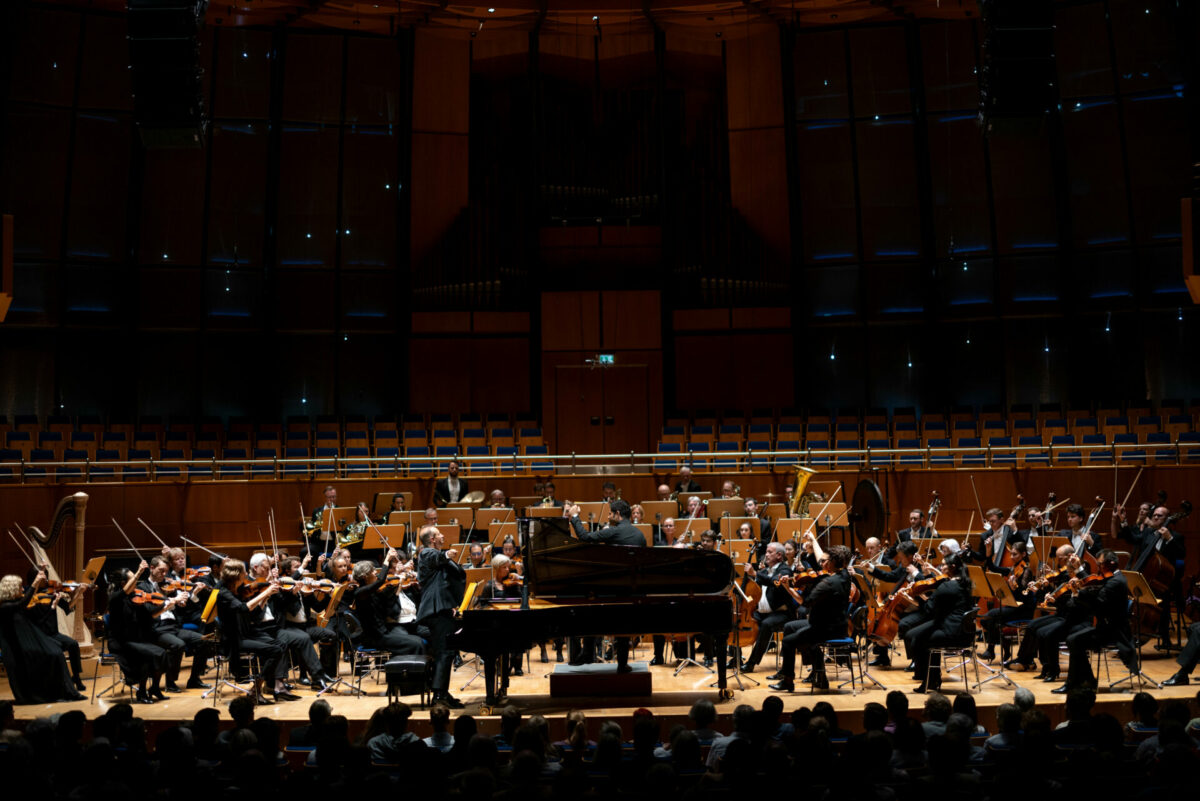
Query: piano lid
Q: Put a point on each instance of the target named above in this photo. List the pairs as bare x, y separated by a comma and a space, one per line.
559, 564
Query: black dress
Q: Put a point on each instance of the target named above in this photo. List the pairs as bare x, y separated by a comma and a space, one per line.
37, 669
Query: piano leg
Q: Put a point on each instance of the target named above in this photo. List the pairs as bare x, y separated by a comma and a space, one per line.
489, 677
719, 647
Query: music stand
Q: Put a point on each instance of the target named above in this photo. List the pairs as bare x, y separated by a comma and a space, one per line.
1141, 592
498, 531
382, 502
373, 536
335, 600
594, 513
739, 598
986, 586
647, 532
867, 593
659, 511
793, 528
725, 507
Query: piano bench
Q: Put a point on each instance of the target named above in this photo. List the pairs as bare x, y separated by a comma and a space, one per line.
407, 675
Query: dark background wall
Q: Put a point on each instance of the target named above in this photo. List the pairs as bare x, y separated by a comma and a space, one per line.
374, 223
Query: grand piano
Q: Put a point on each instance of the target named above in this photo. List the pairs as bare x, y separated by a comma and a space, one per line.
575, 588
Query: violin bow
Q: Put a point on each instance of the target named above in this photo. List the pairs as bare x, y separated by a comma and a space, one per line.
160, 539
23, 551
126, 536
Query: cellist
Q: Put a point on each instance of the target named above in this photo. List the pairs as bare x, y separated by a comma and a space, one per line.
909, 568
1156, 535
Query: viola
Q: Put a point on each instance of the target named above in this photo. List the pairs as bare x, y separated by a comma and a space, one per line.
41, 599
398, 580
178, 585
143, 598
252, 588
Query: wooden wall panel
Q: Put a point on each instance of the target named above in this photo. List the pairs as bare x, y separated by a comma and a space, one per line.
439, 178
500, 375
570, 321
441, 75
233, 511
465, 374
757, 157
632, 320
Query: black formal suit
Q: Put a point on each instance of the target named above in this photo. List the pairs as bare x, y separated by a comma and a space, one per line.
294, 640
782, 609
1190, 655
908, 535
442, 586
441, 491
1007, 537
176, 640
132, 639
1110, 605
947, 606
374, 606
684, 489
622, 533
242, 636
827, 602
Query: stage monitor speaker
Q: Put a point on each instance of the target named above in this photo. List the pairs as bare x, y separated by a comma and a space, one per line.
164, 55
1018, 83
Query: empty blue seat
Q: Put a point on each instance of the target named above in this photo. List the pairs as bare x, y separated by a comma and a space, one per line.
358, 459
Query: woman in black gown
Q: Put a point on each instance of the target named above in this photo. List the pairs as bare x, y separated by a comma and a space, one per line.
37, 669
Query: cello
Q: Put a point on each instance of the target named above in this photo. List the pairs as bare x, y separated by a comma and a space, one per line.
1156, 568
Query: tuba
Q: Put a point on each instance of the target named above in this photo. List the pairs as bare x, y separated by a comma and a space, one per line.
800, 501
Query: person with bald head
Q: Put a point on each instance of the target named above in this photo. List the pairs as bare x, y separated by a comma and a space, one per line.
686, 484
775, 607
664, 492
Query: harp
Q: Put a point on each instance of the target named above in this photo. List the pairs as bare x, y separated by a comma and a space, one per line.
63, 547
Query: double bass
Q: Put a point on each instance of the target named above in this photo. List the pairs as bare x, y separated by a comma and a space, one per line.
1156, 568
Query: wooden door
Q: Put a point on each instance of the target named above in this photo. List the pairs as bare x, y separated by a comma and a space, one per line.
578, 409
626, 408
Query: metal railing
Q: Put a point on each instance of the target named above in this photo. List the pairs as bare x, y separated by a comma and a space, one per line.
218, 469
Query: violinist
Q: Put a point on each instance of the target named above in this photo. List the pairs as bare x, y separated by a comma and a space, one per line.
776, 606
37, 671
475, 556
442, 587
298, 610
826, 603
132, 637
44, 615
505, 583
1043, 635
188, 614
270, 623
1108, 600
379, 605
171, 634
1018, 577
237, 622
946, 608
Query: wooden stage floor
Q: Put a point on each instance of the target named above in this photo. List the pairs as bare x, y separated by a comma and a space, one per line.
671, 699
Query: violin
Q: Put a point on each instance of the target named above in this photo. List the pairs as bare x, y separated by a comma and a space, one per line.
252, 588
513, 580
178, 585
143, 598
41, 599
398, 580
193, 573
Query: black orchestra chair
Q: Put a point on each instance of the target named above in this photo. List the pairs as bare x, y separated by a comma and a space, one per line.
363, 658
105, 658
963, 649
842, 652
